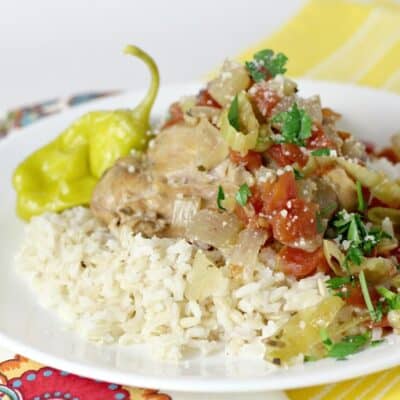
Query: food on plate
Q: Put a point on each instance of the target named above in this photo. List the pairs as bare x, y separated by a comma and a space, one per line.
63, 173
251, 225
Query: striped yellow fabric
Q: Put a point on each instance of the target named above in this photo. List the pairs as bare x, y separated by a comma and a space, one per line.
352, 42
342, 41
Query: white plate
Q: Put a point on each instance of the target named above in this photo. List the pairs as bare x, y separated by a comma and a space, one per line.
28, 329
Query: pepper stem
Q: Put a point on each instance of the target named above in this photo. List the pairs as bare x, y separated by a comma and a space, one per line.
142, 111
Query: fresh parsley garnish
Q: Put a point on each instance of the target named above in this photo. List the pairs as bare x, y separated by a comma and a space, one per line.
220, 198
266, 64
339, 281
243, 194
360, 196
347, 346
354, 255
360, 240
376, 314
233, 113
321, 152
391, 298
295, 125
298, 174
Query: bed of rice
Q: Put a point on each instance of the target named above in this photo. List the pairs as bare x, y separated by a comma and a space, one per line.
112, 286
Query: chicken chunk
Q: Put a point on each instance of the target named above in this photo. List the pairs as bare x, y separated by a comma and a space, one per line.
187, 160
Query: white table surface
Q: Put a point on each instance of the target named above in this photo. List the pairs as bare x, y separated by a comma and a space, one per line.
55, 48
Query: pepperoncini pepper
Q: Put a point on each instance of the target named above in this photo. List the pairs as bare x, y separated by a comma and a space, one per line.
63, 173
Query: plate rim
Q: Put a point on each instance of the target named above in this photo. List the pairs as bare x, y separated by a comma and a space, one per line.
191, 383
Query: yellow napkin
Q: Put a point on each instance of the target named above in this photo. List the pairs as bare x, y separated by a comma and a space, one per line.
342, 41
355, 42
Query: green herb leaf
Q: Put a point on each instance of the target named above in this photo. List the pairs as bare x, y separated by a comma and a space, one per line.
392, 299
338, 282
266, 64
360, 196
325, 337
374, 236
233, 113
220, 197
349, 345
321, 152
243, 194
295, 125
375, 316
298, 174
350, 227
354, 255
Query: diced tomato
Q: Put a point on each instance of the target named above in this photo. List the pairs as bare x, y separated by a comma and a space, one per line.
251, 161
374, 202
354, 296
383, 323
204, 98
319, 140
369, 147
256, 202
300, 263
295, 222
389, 154
256, 199
287, 154
275, 195
175, 115
264, 99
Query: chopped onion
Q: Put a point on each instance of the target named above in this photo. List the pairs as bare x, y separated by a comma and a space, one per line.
184, 210
204, 111
232, 79
282, 85
205, 279
214, 228
250, 241
312, 106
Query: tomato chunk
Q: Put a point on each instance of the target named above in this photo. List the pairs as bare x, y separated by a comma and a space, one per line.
264, 98
353, 296
295, 223
275, 195
204, 98
287, 154
389, 154
256, 203
175, 115
300, 263
383, 323
251, 161
369, 147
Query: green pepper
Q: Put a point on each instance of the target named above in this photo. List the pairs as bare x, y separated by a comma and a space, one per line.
63, 173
